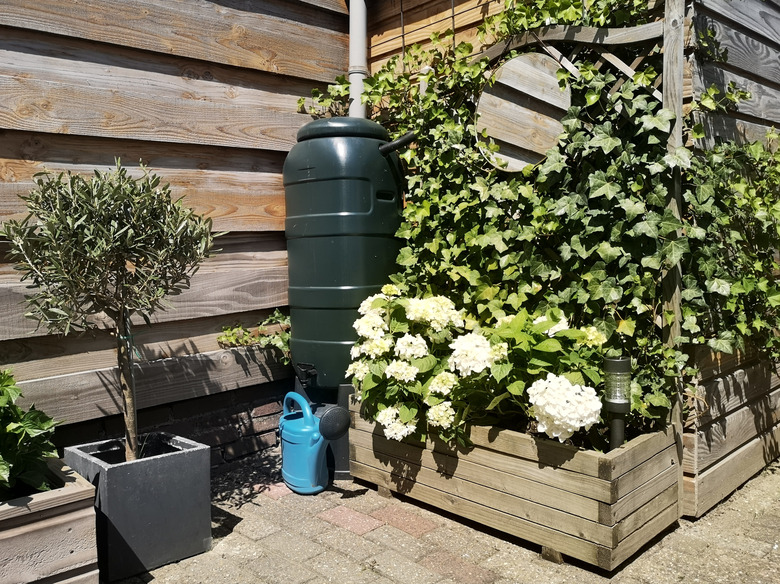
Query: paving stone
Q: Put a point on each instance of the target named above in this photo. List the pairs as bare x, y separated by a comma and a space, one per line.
389, 537
456, 568
292, 545
468, 544
333, 566
354, 521
273, 491
405, 520
347, 542
400, 568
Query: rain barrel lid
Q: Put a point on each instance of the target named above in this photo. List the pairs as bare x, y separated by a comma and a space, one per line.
337, 127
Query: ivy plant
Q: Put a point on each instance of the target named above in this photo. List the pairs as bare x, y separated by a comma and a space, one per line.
586, 231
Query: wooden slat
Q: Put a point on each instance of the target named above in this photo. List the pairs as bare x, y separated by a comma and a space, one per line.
730, 392
198, 29
466, 468
718, 129
762, 18
499, 501
640, 497
716, 440
764, 103
224, 285
640, 538
715, 363
707, 489
654, 507
389, 30
47, 356
744, 50
573, 546
94, 394
121, 95
239, 189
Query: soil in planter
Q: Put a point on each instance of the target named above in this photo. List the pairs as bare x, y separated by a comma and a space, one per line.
151, 445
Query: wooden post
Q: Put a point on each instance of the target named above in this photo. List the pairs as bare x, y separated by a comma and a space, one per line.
674, 55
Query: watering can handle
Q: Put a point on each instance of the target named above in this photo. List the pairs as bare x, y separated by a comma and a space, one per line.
308, 417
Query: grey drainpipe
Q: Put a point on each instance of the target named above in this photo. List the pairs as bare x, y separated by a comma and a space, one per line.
358, 60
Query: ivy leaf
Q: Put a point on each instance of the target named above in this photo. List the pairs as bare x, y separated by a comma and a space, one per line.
601, 187
680, 157
604, 141
632, 208
661, 121
673, 251
626, 327
718, 286
607, 252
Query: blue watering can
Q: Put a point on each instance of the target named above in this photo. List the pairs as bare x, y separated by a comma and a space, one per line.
305, 437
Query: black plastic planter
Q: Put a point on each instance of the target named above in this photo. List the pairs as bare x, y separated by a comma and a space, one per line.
151, 511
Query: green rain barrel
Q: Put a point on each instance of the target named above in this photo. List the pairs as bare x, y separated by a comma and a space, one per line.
344, 201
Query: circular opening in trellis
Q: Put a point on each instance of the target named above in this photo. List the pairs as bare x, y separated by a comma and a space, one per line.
522, 111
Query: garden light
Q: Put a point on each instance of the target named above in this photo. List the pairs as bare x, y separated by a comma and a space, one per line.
617, 383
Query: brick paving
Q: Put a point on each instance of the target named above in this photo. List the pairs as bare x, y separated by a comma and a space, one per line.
351, 534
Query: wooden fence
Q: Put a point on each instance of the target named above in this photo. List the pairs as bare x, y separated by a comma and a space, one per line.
205, 93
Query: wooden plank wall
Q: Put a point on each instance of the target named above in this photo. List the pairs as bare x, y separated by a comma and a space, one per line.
205, 93
394, 24
748, 31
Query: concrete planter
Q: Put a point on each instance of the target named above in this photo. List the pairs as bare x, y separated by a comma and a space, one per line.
151, 511
598, 508
50, 536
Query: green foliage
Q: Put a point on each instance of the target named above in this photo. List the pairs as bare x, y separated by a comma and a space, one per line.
25, 443
108, 243
587, 231
273, 332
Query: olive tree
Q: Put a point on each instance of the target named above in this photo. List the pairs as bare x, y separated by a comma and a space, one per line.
107, 244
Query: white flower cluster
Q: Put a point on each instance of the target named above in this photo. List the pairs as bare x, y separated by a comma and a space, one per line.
441, 415
358, 370
561, 325
411, 347
401, 370
562, 408
373, 348
394, 429
437, 311
366, 306
472, 353
443, 383
593, 338
371, 326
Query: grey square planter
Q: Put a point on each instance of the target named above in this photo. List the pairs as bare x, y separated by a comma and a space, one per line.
151, 511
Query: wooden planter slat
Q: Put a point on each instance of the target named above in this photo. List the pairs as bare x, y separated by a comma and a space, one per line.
732, 434
50, 535
599, 508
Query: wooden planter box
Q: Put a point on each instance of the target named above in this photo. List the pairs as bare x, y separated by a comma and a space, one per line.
50, 535
599, 508
733, 428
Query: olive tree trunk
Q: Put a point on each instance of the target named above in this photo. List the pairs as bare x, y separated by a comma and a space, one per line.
124, 345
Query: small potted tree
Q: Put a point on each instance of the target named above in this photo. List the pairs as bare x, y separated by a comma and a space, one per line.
115, 246
44, 505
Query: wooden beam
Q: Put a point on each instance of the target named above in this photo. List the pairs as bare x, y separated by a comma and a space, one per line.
95, 394
312, 47
239, 189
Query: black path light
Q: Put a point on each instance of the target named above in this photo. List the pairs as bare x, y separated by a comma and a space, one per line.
617, 383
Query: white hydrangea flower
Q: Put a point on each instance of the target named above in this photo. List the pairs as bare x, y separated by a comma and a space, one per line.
411, 347
401, 370
471, 353
371, 326
441, 415
398, 430
561, 325
499, 351
394, 429
443, 383
391, 290
386, 416
561, 407
365, 306
358, 370
437, 311
376, 347
593, 337
355, 352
